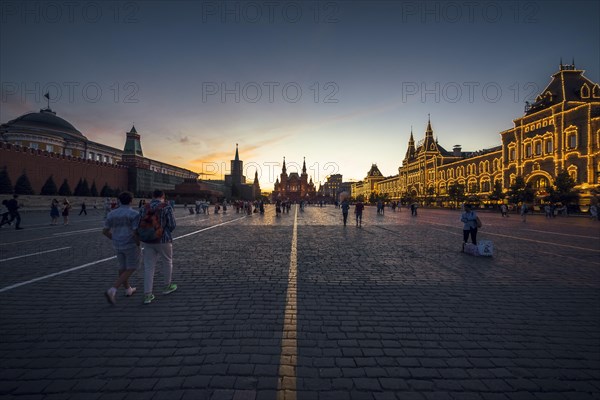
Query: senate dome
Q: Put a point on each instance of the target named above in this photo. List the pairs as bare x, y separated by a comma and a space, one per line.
44, 121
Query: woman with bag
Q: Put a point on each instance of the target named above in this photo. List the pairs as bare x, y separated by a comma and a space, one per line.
471, 223
65, 211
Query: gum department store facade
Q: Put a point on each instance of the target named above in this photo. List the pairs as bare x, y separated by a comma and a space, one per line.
559, 131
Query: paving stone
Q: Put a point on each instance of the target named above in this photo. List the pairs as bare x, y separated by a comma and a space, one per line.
381, 313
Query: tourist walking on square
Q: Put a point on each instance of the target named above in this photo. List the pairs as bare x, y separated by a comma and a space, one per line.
594, 212
471, 223
358, 210
548, 211
54, 212
107, 207
65, 211
504, 210
524, 212
345, 208
413, 209
13, 209
156, 227
83, 208
121, 226
4, 213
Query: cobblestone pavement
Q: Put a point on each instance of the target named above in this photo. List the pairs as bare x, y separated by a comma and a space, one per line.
301, 307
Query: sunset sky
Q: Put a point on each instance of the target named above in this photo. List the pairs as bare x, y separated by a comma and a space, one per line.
340, 83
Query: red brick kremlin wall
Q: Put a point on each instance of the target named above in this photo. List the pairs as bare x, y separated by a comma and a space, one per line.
39, 165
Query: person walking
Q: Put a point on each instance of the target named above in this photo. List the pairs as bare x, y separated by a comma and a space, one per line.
83, 208
54, 213
161, 247
4, 213
65, 211
358, 210
524, 212
345, 208
13, 209
504, 210
594, 212
121, 226
471, 223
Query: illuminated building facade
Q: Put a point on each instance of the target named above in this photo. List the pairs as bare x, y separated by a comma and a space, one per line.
294, 187
369, 184
559, 131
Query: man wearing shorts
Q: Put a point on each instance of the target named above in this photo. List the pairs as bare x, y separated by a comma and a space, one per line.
121, 227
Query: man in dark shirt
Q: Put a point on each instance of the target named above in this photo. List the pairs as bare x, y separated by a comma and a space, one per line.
13, 209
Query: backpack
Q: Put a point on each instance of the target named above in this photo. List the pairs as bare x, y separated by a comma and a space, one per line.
150, 229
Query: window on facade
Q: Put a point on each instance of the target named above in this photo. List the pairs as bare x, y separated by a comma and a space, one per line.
513, 155
49, 148
98, 157
68, 152
572, 141
105, 159
528, 150
485, 186
573, 174
538, 148
90, 156
34, 146
549, 147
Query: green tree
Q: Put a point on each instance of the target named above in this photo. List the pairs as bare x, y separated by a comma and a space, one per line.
23, 186
563, 190
521, 191
77, 191
85, 188
6, 186
497, 193
373, 198
65, 189
106, 191
94, 190
456, 193
49, 188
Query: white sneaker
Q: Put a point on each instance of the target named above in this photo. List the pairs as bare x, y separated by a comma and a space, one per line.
130, 291
110, 295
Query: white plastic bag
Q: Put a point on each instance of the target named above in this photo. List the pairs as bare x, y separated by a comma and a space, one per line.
485, 248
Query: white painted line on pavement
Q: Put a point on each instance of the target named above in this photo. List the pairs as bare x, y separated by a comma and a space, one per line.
286, 387
210, 227
562, 234
16, 285
34, 254
96, 229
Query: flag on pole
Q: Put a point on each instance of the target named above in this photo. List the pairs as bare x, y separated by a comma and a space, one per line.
47, 95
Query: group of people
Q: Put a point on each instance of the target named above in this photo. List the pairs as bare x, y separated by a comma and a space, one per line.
358, 211
152, 224
56, 209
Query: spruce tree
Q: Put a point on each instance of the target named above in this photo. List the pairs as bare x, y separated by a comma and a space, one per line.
6, 186
49, 188
77, 191
94, 190
23, 186
85, 188
65, 190
106, 191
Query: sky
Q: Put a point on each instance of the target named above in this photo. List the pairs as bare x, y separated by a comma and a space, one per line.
341, 83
